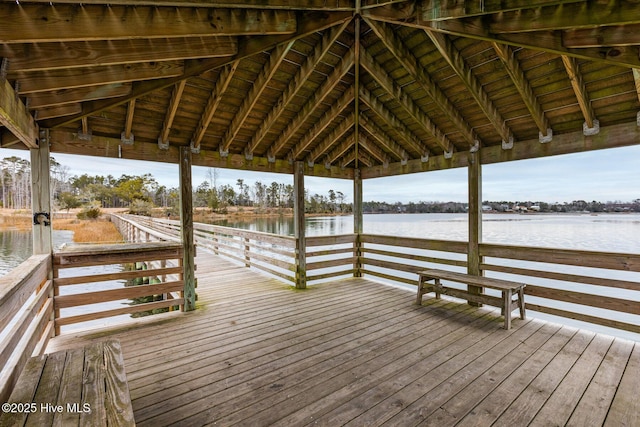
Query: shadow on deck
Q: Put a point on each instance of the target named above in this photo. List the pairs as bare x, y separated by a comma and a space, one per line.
353, 351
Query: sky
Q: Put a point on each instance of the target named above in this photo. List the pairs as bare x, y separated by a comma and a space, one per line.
602, 175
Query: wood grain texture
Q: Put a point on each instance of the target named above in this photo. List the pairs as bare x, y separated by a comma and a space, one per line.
355, 352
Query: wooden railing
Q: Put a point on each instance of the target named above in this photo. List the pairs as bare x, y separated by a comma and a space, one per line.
26, 323
152, 272
597, 287
327, 256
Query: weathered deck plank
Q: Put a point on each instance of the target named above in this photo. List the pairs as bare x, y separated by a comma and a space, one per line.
355, 352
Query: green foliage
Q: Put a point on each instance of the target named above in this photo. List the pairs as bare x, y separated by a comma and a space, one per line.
89, 212
141, 207
69, 201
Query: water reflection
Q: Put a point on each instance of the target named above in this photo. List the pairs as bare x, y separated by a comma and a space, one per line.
17, 246
283, 225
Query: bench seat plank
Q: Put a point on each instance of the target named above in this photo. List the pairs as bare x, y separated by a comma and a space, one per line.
75, 387
508, 289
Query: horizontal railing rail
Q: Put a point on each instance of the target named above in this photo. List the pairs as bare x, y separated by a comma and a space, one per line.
597, 287
330, 256
26, 308
592, 286
398, 259
150, 272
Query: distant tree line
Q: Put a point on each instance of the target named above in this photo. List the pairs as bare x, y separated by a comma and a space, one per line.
142, 193
502, 206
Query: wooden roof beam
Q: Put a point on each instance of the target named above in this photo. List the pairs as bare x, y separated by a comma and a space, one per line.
327, 118
410, 63
308, 5
620, 135
176, 95
389, 85
308, 23
29, 23
512, 66
44, 81
372, 148
303, 73
608, 37
64, 141
422, 11
432, 11
583, 14
222, 84
591, 124
338, 151
331, 139
260, 83
378, 135
455, 60
15, 116
317, 98
364, 158
70, 96
408, 138
546, 41
59, 55
127, 136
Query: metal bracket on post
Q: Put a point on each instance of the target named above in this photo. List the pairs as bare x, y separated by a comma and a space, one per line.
424, 158
271, 158
194, 149
475, 147
545, 138
248, 155
638, 118
38, 221
125, 140
223, 152
310, 163
448, 154
507, 145
84, 136
587, 131
163, 145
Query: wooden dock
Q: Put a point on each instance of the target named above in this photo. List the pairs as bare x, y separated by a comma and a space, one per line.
355, 352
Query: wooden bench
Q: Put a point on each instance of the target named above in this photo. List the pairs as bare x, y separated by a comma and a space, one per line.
506, 303
77, 387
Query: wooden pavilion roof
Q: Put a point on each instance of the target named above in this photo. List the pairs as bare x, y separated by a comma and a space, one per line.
384, 86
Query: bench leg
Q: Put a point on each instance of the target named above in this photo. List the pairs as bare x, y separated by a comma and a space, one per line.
420, 292
506, 307
521, 302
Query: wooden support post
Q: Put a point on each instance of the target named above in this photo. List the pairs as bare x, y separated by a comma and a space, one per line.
41, 196
186, 227
299, 225
357, 223
475, 219
247, 257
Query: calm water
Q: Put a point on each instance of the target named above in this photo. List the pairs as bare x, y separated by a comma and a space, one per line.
603, 232
16, 246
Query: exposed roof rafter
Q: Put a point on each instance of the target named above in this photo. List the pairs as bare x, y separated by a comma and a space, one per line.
410, 63
579, 88
296, 84
176, 95
222, 84
456, 61
388, 84
512, 66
